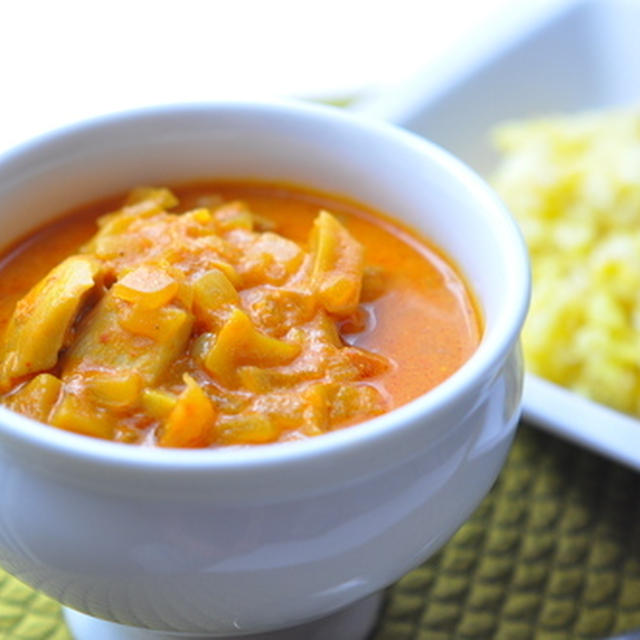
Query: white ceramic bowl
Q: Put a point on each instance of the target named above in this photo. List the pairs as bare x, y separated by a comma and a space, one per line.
230, 542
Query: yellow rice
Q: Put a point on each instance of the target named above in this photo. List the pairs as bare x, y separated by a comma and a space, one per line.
573, 183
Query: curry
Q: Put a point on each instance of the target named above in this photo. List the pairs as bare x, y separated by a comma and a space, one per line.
225, 314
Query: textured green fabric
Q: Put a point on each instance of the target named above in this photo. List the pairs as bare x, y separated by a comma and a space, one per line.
553, 553
28, 615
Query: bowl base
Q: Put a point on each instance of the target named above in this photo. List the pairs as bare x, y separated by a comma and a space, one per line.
352, 623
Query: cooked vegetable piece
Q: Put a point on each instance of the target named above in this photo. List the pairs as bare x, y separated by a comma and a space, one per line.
316, 415
201, 216
142, 202
351, 402
277, 309
234, 215
36, 398
191, 422
255, 379
184, 295
367, 363
270, 258
338, 263
374, 283
110, 242
213, 289
148, 286
160, 325
355, 402
197, 223
161, 196
41, 320
157, 403
77, 414
249, 429
321, 332
118, 390
103, 343
238, 343
228, 270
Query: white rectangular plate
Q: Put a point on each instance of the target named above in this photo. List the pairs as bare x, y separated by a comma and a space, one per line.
571, 56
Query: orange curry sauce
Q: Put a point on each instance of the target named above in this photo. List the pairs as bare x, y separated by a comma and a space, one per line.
423, 319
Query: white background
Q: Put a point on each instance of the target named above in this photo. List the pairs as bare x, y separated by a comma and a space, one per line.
61, 61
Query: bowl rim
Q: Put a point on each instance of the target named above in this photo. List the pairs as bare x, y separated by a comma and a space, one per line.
20, 430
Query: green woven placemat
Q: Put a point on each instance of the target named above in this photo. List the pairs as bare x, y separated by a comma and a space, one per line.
553, 553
